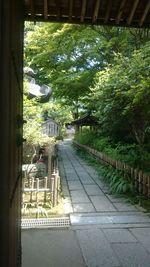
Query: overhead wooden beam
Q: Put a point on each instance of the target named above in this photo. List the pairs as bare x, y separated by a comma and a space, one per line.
32, 7
120, 11
147, 7
129, 20
70, 9
96, 10
45, 10
108, 11
58, 6
83, 10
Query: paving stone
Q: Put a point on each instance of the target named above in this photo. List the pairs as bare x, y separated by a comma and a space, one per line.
79, 196
63, 181
106, 189
83, 174
86, 180
67, 166
72, 177
51, 248
119, 235
74, 185
101, 203
93, 190
81, 169
70, 173
76, 166
97, 252
115, 199
132, 255
124, 207
100, 183
78, 193
143, 236
83, 207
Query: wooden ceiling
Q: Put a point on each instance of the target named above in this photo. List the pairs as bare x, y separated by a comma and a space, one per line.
132, 13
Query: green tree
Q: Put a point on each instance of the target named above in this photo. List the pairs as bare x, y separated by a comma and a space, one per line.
121, 96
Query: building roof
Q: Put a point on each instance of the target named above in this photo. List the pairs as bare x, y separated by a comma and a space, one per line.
87, 120
133, 13
49, 120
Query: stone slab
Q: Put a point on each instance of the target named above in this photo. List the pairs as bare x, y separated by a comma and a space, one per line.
79, 200
78, 193
124, 206
83, 207
119, 236
55, 248
76, 165
115, 199
79, 196
143, 236
87, 181
101, 203
96, 250
72, 177
132, 255
109, 226
122, 219
83, 174
74, 185
93, 190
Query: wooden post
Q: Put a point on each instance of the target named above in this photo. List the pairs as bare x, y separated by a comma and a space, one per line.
37, 190
45, 186
23, 182
32, 187
55, 191
50, 152
52, 189
58, 188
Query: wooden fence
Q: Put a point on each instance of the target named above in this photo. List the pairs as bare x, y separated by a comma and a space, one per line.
141, 180
49, 186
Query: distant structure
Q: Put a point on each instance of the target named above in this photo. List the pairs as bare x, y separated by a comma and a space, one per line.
51, 128
87, 120
43, 92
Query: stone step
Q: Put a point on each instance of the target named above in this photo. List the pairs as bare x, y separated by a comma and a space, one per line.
126, 218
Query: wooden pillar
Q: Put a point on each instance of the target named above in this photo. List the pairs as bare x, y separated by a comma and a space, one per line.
11, 42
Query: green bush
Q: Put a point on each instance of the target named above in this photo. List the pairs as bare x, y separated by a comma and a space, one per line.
132, 154
85, 137
118, 182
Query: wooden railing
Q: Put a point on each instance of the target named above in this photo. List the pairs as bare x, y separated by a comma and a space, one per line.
141, 180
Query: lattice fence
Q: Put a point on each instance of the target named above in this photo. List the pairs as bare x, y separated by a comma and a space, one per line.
141, 180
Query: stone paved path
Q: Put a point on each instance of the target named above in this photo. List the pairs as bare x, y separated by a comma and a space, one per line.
111, 231
105, 231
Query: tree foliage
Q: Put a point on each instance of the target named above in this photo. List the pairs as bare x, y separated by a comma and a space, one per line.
102, 69
121, 95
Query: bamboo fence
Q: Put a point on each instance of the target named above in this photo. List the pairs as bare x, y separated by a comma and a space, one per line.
140, 180
49, 185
